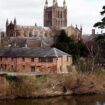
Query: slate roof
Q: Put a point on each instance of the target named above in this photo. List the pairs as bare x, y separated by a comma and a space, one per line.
32, 52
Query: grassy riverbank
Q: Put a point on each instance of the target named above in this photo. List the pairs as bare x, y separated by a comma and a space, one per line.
32, 86
52, 85
86, 83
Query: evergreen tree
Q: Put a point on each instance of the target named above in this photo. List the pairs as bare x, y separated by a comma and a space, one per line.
101, 24
99, 41
75, 48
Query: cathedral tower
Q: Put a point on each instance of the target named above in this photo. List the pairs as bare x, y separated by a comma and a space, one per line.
55, 16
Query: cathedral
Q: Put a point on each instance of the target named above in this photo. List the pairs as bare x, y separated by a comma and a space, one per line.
15, 30
55, 15
30, 36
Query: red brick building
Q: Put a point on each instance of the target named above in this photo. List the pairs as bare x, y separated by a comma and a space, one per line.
38, 60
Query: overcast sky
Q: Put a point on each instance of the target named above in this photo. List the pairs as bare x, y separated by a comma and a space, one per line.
29, 12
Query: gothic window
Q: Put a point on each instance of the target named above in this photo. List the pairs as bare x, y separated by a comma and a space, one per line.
30, 34
58, 14
46, 34
61, 15
56, 23
49, 14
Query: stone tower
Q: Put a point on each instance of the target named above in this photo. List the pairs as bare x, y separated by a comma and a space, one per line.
11, 28
55, 16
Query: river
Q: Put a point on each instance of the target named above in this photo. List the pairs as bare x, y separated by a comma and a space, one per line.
69, 100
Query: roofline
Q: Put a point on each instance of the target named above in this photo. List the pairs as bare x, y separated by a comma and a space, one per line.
30, 56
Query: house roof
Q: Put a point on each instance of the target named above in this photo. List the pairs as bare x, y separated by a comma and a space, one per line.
32, 52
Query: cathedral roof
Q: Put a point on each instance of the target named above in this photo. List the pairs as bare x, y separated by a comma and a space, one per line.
29, 27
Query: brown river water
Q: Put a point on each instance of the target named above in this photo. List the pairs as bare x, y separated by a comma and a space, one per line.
68, 100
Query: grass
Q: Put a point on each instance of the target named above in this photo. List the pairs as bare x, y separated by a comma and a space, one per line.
78, 82
41, 79
99, 72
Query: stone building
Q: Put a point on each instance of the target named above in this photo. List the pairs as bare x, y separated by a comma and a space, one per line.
14, 30
37, 60
33, 36
73, 32
55, 19
55, 16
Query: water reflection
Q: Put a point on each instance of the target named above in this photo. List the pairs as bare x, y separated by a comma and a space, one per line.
75, 100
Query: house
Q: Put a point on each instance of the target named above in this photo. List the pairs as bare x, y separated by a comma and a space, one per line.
38, 60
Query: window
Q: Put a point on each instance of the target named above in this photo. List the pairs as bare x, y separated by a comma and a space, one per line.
5, 66
42, 60
61, 68
67, 58
23, 66
23, 59
1, 59
32, 68
5, 58
36, 59
30, 34
61, 15
11, 67
49, 59
12, 59
46, 59
1, 66
32, 59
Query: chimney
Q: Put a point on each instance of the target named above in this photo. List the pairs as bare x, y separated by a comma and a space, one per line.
93, 32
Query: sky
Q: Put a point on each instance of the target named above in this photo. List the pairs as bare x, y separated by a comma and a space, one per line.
29, 12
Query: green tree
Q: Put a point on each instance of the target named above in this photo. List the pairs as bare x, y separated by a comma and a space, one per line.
101, 24
99, 41
82, 48
75, 48
62, 41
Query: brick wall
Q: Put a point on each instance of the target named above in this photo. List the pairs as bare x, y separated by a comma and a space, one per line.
54, 65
